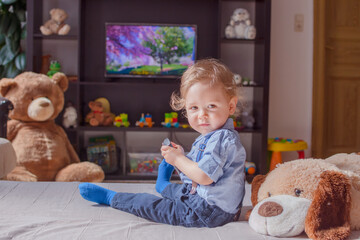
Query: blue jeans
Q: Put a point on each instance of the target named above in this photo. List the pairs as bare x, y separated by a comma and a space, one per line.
176, 207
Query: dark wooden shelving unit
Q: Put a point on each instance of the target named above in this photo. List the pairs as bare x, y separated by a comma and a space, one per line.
137, 95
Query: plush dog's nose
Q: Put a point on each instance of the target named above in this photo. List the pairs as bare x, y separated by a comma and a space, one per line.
270, 209
44, 104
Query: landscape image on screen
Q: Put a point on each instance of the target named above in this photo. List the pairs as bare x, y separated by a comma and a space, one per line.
150, 50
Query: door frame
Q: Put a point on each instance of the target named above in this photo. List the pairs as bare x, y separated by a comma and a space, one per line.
318, 102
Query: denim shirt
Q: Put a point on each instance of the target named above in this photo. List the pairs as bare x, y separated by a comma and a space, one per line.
223, 161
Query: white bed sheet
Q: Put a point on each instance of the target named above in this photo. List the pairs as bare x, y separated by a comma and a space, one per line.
55, 210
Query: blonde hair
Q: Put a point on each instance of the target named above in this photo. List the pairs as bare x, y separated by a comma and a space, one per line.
210, 70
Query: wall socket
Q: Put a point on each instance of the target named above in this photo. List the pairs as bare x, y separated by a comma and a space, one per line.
299, 23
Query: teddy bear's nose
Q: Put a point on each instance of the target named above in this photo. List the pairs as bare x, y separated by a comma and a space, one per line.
270, 209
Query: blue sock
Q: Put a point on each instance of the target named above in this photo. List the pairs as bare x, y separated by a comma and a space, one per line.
164, 174
95, 193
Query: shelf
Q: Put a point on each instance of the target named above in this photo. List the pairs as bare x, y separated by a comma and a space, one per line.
242, 0
99, 83
253, 86
134, 129
73, 83
235, 40
130, 81
152, 129
57, 37
249, 130
73, 130
122, 83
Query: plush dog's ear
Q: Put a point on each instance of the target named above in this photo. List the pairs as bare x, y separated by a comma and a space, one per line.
255, 186
329, 214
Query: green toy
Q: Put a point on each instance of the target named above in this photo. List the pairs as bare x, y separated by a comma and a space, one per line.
54, 68
122, 120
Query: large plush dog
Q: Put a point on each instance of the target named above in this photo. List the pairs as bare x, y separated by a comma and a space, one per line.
320, 197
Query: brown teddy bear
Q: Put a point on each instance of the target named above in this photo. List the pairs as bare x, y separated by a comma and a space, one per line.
98, 116
56, 23
43, 150
320, 197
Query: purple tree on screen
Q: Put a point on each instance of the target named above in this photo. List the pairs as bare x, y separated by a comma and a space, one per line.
124, 40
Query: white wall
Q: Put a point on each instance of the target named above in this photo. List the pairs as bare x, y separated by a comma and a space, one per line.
291, 66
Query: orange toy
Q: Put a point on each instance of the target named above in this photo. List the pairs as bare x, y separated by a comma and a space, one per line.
145, 121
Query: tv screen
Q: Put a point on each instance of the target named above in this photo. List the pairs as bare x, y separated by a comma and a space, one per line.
149, 50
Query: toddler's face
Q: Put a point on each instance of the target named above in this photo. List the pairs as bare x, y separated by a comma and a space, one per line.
207, 107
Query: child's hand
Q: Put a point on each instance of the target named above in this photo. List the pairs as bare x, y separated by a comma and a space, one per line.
172, 153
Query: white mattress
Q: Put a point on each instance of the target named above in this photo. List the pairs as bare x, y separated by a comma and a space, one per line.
55, 210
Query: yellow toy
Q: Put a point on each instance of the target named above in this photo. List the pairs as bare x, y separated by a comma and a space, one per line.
278, 145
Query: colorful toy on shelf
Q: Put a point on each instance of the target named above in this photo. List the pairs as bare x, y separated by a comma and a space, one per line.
145, 166
278, 145
70, 116
250, 168
56, 25
122, 120
102, 151
106, 105
54, 68
237, 79
237, 124
247, 119
240, 26
100, 113
171, 120
235, 121
145, 121
144, 163
247, 82
45, 64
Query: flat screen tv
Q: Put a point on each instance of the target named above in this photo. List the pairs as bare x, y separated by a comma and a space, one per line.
149, 50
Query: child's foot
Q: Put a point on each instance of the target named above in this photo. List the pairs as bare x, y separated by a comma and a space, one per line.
164, 175
95, 193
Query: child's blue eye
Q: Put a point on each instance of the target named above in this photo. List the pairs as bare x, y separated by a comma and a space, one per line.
212, 106
193, 108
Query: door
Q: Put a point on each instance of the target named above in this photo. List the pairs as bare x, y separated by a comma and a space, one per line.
336, 88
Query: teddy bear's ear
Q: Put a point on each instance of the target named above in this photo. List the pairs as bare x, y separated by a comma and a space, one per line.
6, 84
255, 186
91, 104
60, 79
52, 11
328, 216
